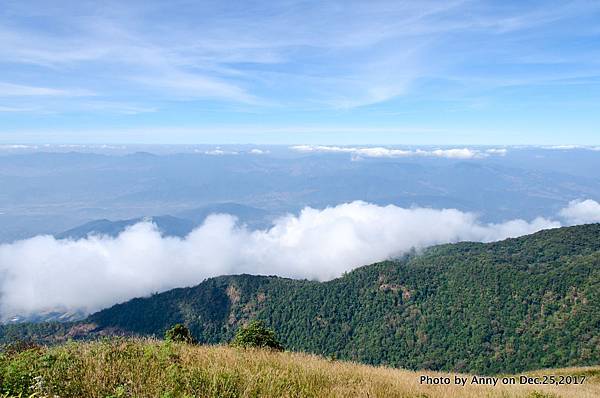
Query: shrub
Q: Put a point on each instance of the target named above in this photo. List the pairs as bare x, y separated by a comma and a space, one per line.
256, 334
18, 346
180, 333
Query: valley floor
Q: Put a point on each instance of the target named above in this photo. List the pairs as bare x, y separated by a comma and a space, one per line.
151, 368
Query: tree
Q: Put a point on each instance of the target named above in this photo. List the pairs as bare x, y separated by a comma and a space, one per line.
180, 333
256, 334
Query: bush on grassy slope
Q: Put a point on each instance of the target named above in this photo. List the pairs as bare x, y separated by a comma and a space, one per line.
179, 333
256, 335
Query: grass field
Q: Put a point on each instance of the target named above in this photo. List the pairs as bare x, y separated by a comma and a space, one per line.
151, 368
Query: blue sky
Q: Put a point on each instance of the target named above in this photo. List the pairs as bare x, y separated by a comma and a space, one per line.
343, 72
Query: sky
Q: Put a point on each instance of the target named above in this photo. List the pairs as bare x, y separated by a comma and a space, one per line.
300, 72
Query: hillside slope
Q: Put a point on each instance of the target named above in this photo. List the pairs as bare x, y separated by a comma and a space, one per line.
524, 303
148, 368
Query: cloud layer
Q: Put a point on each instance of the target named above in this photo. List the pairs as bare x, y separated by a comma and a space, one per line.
44, 273
382, 152
581, 212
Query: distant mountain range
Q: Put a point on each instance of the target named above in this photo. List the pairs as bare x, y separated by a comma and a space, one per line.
49, 316
48, 193
179, 226
524, 303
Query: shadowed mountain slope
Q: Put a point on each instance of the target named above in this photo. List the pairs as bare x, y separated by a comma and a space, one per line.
518, 304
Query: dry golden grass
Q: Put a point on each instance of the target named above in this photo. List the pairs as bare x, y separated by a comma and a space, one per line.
149, 368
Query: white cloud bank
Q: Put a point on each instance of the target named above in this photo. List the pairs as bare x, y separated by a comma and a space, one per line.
571, 147
44, 273
581, 212
382, 152
219, 152
256, 151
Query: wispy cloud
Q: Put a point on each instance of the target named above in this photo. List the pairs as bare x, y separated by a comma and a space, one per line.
352, 54
189, 86
112, 106
18, 90
460, 66
15, 109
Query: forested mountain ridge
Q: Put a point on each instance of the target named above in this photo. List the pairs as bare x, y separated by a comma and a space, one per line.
524, 303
